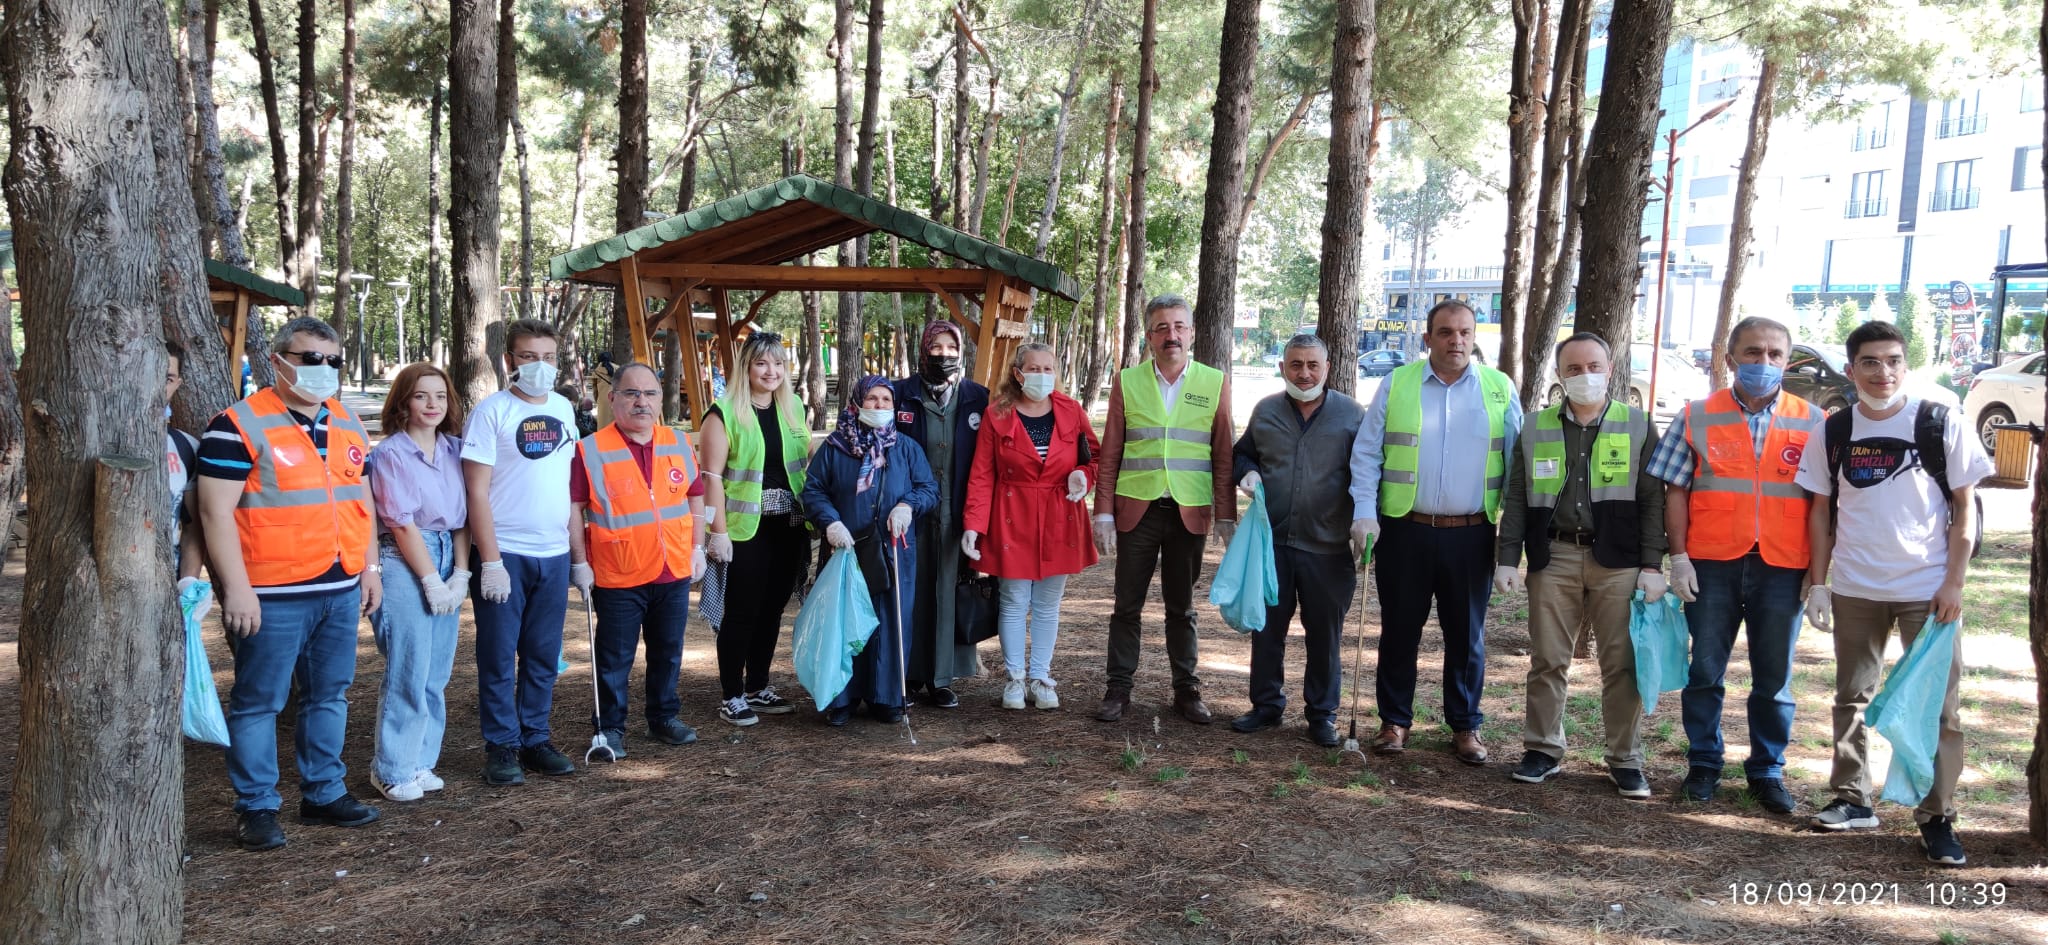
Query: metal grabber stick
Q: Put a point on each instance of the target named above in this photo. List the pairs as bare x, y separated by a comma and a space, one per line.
597, 742
1358, 660
902, 642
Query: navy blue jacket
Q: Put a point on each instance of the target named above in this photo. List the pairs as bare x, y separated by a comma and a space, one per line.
911, 395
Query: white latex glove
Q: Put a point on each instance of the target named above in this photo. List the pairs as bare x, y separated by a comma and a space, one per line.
967, 543
1653, 585
1223, 531
1077, 486
582, 577
899, 520
719, 546
458, 589
1820, 608
697, 564
1506, 578
496, 583
205, 605
1362, 531
1105, 536
1250, 481
435, 594
837, 536
1685, 582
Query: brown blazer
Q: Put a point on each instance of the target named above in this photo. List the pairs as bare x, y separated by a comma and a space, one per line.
1128, 510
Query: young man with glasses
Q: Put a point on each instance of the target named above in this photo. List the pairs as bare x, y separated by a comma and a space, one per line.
1896, 541
516, 455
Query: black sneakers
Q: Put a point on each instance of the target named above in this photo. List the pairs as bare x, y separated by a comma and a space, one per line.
1701, 783
258, 830
614, 740
546, 760
1938, 836
501, 765
1324, 733
672, 731
1770, 792
941, 697
1842, 815
767, 702
1630, 783
343, 811
1536, 768
1259, 719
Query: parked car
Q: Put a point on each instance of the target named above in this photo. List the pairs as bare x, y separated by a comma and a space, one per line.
1819, 374
1677, 383
1380, 361
2008, 393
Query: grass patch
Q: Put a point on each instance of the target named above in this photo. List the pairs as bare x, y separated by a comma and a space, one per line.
1995, 596
1131, 758
1299, 775
1240, 757
1169, 774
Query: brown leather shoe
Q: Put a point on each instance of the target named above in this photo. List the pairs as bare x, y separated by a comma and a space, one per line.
1392, 740
1114, 703
1188, 702
1468, 748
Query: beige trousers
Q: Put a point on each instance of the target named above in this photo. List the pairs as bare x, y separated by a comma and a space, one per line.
1861, 629
1572, 593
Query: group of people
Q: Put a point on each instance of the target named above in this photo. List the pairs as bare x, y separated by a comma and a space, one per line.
1441, 477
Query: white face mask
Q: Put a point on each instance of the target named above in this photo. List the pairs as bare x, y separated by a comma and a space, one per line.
316, 382
1304, 396
877, 418
1586, 389
1875, 405
1036, 386
534, 378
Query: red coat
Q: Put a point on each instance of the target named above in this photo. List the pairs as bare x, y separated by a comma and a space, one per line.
1018, 502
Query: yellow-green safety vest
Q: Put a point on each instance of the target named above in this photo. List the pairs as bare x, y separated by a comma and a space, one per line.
1169, 454
1404, 437
745, 456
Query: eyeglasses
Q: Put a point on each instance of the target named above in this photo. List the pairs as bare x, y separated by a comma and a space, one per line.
631, 394
314, 359
1893, 363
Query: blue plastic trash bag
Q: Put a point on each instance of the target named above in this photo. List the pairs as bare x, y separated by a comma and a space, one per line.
1907, 711
1246, 582
203, 719
835, 622
1660, 636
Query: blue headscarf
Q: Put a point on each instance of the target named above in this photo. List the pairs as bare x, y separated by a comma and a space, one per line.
860, 441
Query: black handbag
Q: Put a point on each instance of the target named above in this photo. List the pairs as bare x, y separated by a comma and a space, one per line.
975, 609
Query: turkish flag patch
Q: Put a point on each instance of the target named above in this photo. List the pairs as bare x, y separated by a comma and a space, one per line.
355, 454
675, 475
1790, 455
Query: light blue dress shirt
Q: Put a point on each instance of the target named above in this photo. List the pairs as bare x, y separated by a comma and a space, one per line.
1450, 475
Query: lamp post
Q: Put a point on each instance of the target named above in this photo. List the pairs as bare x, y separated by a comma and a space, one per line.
362, 290
1664, 242
403, 290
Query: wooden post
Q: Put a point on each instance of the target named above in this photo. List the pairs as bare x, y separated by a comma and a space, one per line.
238, 338
636, 308
683, 322
988, 360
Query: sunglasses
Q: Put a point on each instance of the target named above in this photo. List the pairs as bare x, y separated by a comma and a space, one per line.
314, 359
768, 336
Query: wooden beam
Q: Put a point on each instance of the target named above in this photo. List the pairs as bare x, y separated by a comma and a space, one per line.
816, 278
753, 309
636, 309
988, 359
727, 343
697, 387
960, 316
678, 290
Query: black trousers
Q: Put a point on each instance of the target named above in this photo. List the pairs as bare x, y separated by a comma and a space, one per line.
764, 572
1321, 585
1453, 567
1160, 542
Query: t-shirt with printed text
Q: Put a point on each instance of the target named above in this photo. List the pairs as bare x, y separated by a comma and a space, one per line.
529, 448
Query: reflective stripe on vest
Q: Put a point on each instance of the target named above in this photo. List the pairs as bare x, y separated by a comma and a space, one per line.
744, 458
636, 524
1401, 457
298, 514
1615, 447
1739, 499
1169, 454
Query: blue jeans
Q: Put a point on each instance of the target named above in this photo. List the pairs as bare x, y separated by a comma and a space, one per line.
1743, 591
624, 615
314, 640
1039, 601
518, 646
419, 654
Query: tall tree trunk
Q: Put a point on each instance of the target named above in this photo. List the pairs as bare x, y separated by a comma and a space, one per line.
1105, 248
1338, 286
13, 474
476, 151
1739, 232
1563, 124
1002, 234
2037, 594
344, 186
903, 343
1059, 128
963, 105
686, 183
870, 116
1141, 152
582, 185
990, 118
209, 172
631, 156
435, 310
1618, 175
525, 218
682, 323
508, 120
98, 186
280, 160
312, 186
1223, 201
849, 315
1546, 322
1116, 345
1527, 76
1272, 151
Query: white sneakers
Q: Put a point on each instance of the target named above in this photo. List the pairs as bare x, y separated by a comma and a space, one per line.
1013, 694
402, 792
1043, 694
428, 781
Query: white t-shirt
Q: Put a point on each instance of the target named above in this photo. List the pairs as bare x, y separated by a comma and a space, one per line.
180, 480
1891, 524
529, 448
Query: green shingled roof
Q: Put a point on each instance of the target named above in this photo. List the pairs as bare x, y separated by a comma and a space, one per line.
266, 292
839, 202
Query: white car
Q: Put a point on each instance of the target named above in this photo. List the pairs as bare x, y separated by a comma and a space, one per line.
2008, 393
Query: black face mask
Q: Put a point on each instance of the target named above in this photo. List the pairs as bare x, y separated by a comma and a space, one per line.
939, 368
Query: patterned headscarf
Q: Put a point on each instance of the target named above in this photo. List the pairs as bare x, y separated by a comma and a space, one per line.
858, 440
933, 329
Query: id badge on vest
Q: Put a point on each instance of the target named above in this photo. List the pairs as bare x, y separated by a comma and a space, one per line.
1611, 462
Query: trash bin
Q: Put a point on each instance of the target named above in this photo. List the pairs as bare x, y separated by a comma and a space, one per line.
2015, 459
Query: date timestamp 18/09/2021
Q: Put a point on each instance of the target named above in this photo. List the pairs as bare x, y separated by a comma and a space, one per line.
1842, 893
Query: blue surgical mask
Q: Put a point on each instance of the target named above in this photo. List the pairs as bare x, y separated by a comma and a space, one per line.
1759, 380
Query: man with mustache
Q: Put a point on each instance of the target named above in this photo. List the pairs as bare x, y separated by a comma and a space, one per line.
635, 490
1165, 483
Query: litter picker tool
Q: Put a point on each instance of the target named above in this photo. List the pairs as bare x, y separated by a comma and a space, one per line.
1358, 660
902, 642
597, 742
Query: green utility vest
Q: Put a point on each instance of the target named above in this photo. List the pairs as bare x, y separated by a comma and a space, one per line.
1611, 483
744, 459
1165, 454
1404, 437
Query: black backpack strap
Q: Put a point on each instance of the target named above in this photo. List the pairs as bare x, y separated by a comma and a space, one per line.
1930, 427
1838, 428
188, 451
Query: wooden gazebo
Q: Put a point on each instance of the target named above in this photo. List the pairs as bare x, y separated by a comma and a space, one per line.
749, 242
234, 291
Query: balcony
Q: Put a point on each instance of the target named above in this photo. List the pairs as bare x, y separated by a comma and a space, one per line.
1961, 199
1962, 125
1857, 209
1720, 89
1870, 139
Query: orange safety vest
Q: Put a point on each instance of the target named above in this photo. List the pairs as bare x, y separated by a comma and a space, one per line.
297, 515
633, 526
1741, 500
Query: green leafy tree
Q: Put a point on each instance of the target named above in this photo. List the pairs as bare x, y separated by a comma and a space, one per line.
1847, 317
